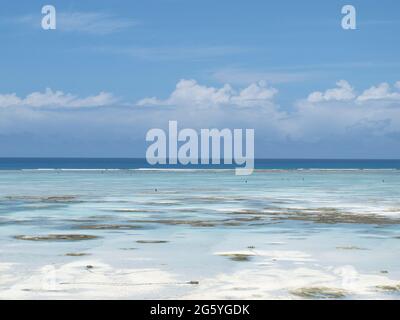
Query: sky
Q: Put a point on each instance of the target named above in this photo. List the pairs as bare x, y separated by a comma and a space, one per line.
111, 71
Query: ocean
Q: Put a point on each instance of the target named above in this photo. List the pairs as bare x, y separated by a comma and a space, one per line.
112, 228
137, 163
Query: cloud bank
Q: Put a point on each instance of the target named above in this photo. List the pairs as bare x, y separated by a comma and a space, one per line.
337, 122
189, 92
50, 98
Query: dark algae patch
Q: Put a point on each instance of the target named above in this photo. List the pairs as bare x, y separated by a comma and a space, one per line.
152, 241
350, 248
108, 227
59, 199
199, 223
49, 199
333, 216
173, 222
133, 210
389, 288
239, 257
319, 293
318, 215
57, 237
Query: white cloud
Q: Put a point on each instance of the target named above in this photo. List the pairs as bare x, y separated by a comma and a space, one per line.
50, 98
326, 128
335, 113
7, 100
340, 112
189, 92
254, 94
343, 92
380, 92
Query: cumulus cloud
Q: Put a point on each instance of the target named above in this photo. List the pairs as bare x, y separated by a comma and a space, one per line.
345, 92
381, 92
189, 92
50, 98
330, 127
340, 112
342, 92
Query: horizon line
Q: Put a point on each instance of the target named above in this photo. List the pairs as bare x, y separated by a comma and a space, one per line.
143, 158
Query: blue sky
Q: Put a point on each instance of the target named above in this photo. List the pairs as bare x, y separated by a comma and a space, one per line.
108, 59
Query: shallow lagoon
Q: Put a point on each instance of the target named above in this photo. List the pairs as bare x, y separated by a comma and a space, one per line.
144, 234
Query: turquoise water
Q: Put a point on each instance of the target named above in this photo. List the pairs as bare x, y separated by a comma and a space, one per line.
200, 234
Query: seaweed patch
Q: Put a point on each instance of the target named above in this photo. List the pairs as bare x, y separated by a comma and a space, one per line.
319, 293
57, 237
152, 241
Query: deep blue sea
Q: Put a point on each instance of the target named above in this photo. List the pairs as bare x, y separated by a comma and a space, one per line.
136, 163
